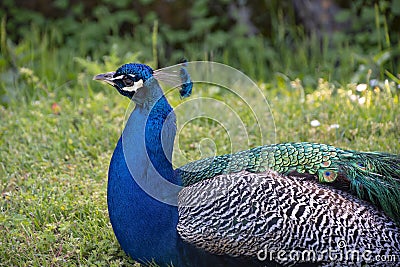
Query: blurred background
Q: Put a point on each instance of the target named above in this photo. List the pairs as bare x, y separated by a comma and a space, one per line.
333, 39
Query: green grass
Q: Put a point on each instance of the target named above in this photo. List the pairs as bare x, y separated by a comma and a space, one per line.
53, 182
58, 130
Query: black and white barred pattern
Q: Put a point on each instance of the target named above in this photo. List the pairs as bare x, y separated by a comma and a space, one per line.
249, 215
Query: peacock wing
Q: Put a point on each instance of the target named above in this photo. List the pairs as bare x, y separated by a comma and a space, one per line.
371, 176
257, 215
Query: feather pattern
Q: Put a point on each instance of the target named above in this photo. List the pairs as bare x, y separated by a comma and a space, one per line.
176, 76
247, 214
371, 176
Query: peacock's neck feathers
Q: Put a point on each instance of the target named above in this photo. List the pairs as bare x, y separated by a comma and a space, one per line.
371, 175
160, 131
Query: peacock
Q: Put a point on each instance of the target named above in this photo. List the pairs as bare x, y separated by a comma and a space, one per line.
290, 204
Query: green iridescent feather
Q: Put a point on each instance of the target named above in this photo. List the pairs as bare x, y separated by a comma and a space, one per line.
372, 176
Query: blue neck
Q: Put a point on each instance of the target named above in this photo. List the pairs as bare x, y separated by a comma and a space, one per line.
145, 227
157, 141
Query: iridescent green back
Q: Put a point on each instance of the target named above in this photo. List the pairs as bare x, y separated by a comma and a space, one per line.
284, 158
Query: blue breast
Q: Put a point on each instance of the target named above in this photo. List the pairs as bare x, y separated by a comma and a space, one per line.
145, 228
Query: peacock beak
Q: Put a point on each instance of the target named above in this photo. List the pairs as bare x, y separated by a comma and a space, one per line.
107, 77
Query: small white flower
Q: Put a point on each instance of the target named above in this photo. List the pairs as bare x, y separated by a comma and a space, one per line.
361, 87
353, 97
315, 123
361, 100
334, 126
386, 82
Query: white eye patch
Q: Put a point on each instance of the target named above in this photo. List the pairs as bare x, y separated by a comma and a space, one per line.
120, 77
117, 78
134, 87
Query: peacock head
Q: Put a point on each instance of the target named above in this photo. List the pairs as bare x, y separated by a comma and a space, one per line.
128, 79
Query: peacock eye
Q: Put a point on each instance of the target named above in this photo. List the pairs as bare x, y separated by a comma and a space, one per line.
127, 81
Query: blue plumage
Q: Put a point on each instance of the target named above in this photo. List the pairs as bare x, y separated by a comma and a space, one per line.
144, 226
187, 84
141, 71
224, 220
140, 223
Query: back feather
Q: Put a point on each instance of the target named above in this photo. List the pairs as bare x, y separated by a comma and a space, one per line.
371, 176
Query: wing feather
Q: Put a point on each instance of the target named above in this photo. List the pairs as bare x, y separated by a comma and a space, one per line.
246, 214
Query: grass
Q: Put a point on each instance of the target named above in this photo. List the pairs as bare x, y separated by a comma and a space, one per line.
58, 130
53, 179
